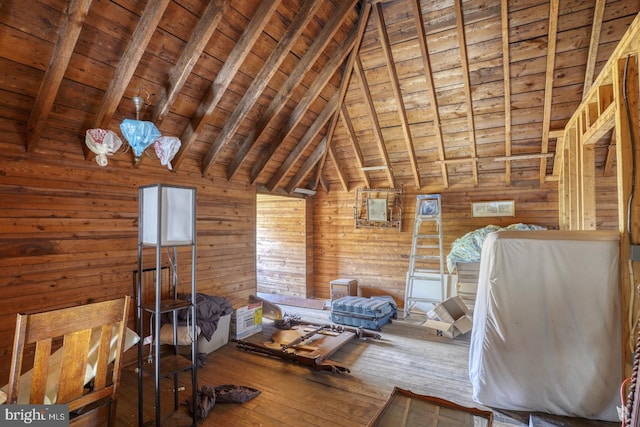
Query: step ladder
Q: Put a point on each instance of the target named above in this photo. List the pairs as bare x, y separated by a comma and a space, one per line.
426, 281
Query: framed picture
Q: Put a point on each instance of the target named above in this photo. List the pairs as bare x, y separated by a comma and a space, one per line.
497, 208
429, 207
377, 209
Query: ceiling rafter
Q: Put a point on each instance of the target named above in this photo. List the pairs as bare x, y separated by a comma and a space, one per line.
548, 85
314, 91
596, 28
506, 62
332, 111
344, 115
331, 153
61, 82
62, 51
377, 132
297, 115
511, 158
180, 72
260, 82
286, 91
347, 73
218, 87
397, 92
149, 20
308, 164
315, 128
464, 61
433, 101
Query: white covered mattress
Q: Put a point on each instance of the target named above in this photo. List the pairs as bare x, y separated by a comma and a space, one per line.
546, 323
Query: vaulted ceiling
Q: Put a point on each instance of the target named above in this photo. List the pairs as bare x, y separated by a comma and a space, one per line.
333, 94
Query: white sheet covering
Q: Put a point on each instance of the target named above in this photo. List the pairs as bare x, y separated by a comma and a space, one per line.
546, 324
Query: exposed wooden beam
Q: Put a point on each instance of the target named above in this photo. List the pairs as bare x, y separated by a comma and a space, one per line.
628, 153
153, 12
511, 158
426, 61
506, 81
377, 132
603, 124
294, 119
629, 226
346, 120
260, 82
514, 157
558, 159
189, 57
308, 164
60, 57
556, 133
397, 92
456, 161
588, 183
224, 77
311, 133
331, 152
596, 28
363, 19
303, 106
611, 156
286, 91
548, 85
467, 85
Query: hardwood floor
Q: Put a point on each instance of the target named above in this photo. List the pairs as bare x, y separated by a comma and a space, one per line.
293, 395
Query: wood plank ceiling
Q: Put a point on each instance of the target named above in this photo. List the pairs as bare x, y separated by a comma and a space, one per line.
332, 94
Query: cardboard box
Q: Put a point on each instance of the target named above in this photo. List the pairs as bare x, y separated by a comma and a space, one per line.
450, 318
246, 321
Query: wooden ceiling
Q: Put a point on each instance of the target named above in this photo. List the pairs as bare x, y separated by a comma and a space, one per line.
333, 94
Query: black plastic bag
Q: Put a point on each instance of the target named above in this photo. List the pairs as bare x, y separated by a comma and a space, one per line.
206, 401
208, 396
234, 393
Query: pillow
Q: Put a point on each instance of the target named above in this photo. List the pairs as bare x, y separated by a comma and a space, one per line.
184, 334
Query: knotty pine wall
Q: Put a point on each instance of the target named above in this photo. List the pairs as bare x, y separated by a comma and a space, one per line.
379, 258
281, 246
69, 232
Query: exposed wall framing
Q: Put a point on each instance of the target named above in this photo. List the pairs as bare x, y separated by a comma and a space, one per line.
609, 109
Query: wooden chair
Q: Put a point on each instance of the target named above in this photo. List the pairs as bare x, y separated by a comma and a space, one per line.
79, 372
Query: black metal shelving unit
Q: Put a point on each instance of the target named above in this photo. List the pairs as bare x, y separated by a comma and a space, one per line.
167, 222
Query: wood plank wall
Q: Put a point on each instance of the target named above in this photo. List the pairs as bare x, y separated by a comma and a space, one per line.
281, 232
379, 258
69, 231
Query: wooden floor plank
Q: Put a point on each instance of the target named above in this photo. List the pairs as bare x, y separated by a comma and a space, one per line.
407, 356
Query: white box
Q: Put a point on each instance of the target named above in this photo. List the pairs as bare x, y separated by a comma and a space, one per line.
428, 287
450, 318
172, 209
219, 338
246, 321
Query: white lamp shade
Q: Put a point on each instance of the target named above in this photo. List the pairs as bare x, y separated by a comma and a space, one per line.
172, 216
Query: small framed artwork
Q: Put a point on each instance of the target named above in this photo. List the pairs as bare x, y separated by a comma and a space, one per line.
429, 207
497, 208
377, 209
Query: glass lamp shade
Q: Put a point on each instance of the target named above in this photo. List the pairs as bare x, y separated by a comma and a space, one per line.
167, 215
